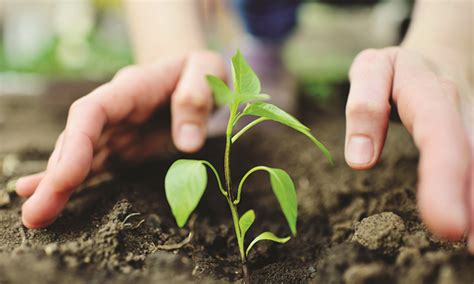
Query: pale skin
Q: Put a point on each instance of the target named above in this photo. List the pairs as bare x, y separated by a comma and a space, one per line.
429, 78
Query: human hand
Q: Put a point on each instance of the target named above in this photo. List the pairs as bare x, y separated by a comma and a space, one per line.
109, 120
429, 107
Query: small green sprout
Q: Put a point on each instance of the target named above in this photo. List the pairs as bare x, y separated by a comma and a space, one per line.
186, 180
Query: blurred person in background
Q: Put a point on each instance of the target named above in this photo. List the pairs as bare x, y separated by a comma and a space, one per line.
429, 78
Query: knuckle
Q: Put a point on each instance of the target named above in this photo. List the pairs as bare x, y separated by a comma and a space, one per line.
374, 110
365, 58
190, 99
127, 71
77, 105
369, 55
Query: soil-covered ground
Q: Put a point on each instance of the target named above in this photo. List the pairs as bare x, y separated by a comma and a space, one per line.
353, 227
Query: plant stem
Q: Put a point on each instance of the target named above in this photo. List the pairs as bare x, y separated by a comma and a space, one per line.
247, 127
235, 220
227, 174
239, 188
227, 154
217, 177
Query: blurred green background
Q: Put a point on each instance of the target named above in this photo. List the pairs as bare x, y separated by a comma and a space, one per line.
70, 39
87, 39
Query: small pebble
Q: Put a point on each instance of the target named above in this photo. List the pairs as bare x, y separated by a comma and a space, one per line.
71, 261
50, 249
4, 198
10, 163
11, 186
127, 269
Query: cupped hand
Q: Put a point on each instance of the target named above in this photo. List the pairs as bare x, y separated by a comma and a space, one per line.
111, 120
429, 107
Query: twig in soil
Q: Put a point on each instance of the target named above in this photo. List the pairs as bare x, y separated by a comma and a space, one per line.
22, 235
137, 225
126, 225
175, 246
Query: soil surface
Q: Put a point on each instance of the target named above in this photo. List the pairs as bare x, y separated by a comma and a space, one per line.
353, 226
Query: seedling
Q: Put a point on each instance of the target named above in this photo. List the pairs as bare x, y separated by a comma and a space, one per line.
186, 180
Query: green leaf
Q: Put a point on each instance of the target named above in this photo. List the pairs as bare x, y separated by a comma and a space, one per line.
285, 193
274, 113
246, 97
246, 221
185, 183
222, 93
266, 236
284, 190
245, 79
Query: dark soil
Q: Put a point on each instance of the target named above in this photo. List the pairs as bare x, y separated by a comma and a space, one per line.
353, 226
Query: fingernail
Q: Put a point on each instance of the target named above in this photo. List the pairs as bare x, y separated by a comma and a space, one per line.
360, 150
190, 137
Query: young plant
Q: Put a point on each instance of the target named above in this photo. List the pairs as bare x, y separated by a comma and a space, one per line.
186, 180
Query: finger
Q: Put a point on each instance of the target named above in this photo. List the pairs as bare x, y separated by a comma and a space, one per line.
25, 186
131, 96
368, 107
428, 109
53, 159
192, 101
54, 190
